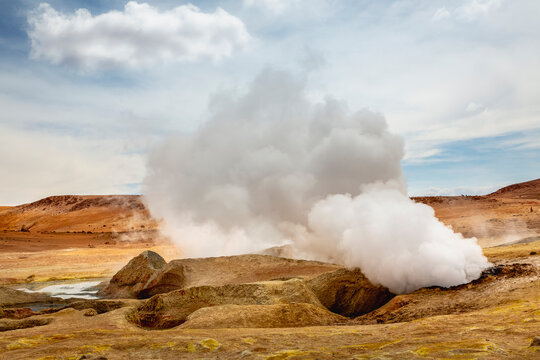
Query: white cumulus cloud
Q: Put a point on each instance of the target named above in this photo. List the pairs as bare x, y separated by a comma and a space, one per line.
140, 35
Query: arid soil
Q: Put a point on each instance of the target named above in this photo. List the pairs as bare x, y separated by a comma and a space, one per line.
494, 317
508, 215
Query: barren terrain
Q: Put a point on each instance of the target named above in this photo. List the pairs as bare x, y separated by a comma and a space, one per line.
82, 237
508, 215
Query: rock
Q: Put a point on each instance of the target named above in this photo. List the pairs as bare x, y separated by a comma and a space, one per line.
171, 309
10, 297
535, 341
8, 324
348, 292
132, 278
214, 271
171, 277
91, 357
90, 312
16, 313
99, 306
261, 316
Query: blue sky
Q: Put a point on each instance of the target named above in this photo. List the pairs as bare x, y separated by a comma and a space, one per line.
458, 80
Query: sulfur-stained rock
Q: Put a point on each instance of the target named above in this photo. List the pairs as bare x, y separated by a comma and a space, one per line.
132, 278
171, 309
348, 292
261, 316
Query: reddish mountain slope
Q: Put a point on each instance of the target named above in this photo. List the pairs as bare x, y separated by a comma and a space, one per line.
73, 213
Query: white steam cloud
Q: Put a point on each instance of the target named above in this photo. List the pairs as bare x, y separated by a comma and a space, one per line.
272, 168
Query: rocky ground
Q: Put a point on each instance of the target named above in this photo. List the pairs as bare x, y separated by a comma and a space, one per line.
257, 306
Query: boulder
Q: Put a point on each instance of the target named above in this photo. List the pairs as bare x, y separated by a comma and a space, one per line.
349, 292
170, 277
171, 309
261, 316
132, 278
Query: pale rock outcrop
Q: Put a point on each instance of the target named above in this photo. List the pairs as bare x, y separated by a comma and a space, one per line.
171, 309
261, 316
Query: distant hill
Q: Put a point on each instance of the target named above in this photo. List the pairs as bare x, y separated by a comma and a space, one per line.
510, 211
524, 190
75, 213
507, 215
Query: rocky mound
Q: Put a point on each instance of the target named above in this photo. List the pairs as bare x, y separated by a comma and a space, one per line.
11, 297
348, 292
100, 306
261, 316
8, 324
499, 285
132, 278
171, 309
140, 279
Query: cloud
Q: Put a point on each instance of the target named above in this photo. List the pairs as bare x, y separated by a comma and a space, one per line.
473, 9
36, 164
138, 36
274, 6
440, 14
470, 11
474, 107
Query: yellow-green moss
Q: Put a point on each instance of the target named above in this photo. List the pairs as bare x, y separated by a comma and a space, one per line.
163, 346
95, 348
37, 340
249, 340
191, 348
210, 344
285, 354
372, 346
457, 349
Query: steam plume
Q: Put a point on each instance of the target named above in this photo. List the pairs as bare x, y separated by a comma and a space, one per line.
271, 168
